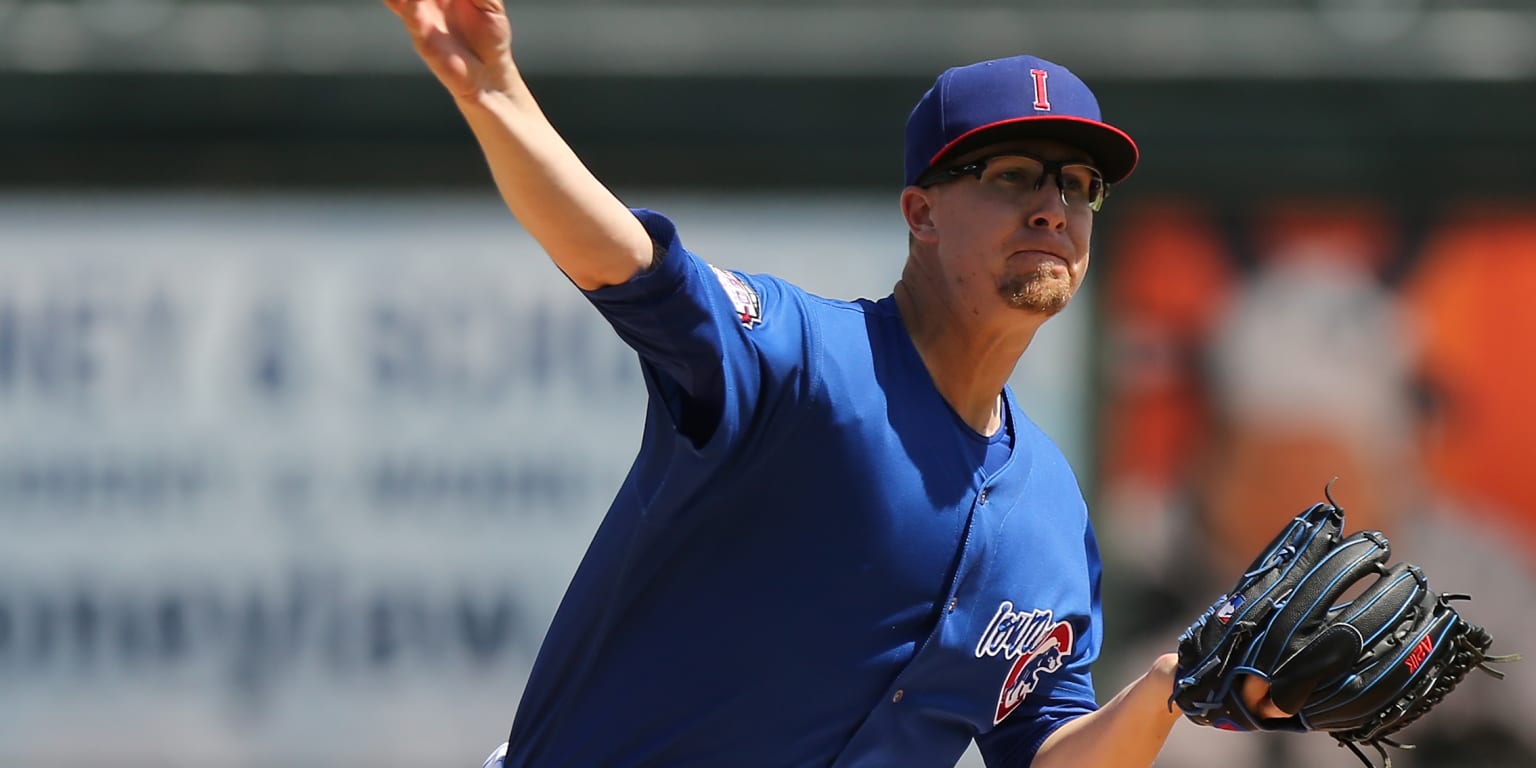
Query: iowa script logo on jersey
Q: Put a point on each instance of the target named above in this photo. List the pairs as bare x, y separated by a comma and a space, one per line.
749, 308
1038, 644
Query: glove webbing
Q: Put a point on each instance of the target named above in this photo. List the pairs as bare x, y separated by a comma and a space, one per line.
1472, 643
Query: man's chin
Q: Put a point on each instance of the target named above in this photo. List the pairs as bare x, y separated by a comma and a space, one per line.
1041, 294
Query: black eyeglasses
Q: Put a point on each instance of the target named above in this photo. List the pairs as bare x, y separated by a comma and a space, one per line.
1011, 174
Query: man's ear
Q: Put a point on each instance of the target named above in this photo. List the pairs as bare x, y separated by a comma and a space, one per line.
917, 209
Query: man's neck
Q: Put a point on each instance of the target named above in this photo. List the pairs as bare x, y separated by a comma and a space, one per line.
969, 358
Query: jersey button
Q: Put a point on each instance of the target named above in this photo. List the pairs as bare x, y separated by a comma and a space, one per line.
981, 498
898, 696
951, 607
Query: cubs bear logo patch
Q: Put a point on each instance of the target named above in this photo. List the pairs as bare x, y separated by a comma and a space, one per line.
1038, 644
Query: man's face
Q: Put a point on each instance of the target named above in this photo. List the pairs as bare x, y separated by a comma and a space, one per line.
999, 239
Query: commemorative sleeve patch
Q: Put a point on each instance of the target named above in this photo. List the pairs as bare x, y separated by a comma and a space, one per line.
744, 300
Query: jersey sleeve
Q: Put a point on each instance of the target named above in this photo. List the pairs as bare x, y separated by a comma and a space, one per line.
715, 345
1068, 695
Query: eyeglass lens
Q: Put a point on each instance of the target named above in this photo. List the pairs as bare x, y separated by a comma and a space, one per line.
1080, 184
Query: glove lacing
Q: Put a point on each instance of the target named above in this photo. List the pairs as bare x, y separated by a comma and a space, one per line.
1472, 643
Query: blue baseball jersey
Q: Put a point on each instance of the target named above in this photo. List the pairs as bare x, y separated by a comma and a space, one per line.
811, 562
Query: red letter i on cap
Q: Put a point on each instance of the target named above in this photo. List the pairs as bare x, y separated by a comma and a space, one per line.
1042, 99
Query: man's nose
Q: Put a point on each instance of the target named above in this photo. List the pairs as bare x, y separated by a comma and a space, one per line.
1047, 209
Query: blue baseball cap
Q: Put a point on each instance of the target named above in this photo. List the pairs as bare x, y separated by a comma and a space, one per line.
1016, 97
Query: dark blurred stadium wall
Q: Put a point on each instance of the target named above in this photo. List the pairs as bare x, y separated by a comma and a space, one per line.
1403, 98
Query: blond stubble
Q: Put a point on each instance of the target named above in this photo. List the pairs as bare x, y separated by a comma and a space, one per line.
1041, 291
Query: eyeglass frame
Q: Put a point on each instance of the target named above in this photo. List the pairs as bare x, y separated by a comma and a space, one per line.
978, 167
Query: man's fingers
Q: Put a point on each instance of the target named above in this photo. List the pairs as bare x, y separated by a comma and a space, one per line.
1255, 692
425, 20
464, 42
420, 17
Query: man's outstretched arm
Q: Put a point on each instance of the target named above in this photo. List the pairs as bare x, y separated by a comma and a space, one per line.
589, 234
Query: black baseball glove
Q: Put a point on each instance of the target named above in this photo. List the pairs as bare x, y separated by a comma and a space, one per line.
1359, 670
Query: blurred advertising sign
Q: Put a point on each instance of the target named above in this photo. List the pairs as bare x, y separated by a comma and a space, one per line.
299, 482
288, 483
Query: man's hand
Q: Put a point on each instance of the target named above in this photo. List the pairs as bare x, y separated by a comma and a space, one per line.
1254, 690
466, 43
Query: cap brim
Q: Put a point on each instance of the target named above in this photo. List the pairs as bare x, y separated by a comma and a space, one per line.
1113, 150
